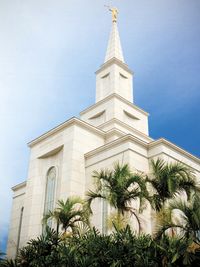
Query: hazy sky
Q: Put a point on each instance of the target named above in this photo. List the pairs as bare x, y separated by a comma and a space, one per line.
49, 51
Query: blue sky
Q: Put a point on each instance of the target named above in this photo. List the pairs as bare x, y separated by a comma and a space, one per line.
49, 51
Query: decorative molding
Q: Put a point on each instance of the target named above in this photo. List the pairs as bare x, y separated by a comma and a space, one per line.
97, 115
105, 76
51, 153
115, 131
110, 97
175, 147
116, 61
128, 127
118, 141
18, 186
172, 157
123, 76
19, 195
130, 115
148, 146
115, 154
72, 121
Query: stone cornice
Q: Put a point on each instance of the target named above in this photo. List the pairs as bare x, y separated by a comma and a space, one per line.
64, 125
175, 147
110, 97
125, 125
115, 131
114, 61
148, 146
19, 195
111, 144
51, 152
19, 186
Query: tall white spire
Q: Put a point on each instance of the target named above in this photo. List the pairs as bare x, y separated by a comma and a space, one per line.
114, 76
114, 49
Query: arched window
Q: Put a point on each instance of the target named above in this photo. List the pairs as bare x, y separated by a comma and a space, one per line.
50, 192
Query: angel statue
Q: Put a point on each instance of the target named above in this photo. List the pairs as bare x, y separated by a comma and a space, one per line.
114, 12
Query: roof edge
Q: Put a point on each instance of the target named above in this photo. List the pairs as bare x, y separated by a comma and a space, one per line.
63, 125
174, 146
114, 60
143, 143
18, 186
108, 98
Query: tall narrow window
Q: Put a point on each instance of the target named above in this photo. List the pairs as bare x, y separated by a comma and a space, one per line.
104, 216
19, 229
50, 192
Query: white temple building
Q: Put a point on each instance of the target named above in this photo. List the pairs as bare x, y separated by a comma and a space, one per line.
63, 159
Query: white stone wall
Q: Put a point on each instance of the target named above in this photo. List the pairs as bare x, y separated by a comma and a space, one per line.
113, 78
65, 150
116, 107
99, 113
125, 129
131, 115
17, 205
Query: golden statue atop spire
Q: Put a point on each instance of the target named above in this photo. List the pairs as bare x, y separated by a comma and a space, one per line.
114, 12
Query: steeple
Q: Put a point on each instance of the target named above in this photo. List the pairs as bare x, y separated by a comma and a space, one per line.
114, 49
114, 108
114, 76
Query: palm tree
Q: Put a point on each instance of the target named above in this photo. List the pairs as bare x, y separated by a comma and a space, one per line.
119, 187
118, 220
8, 263
184, 215
170, 179
1, 255
69, 213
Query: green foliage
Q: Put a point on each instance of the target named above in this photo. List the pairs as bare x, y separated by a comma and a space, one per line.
86, 247
120, 187
182, 216
1, 255
69, 213
117, 220
120, 248
43, 251
8, 263
176, 251
170, 179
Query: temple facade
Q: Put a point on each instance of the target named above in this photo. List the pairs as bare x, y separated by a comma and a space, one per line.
63, 159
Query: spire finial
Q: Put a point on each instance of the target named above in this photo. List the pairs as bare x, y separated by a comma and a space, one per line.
114, 12
114, 49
